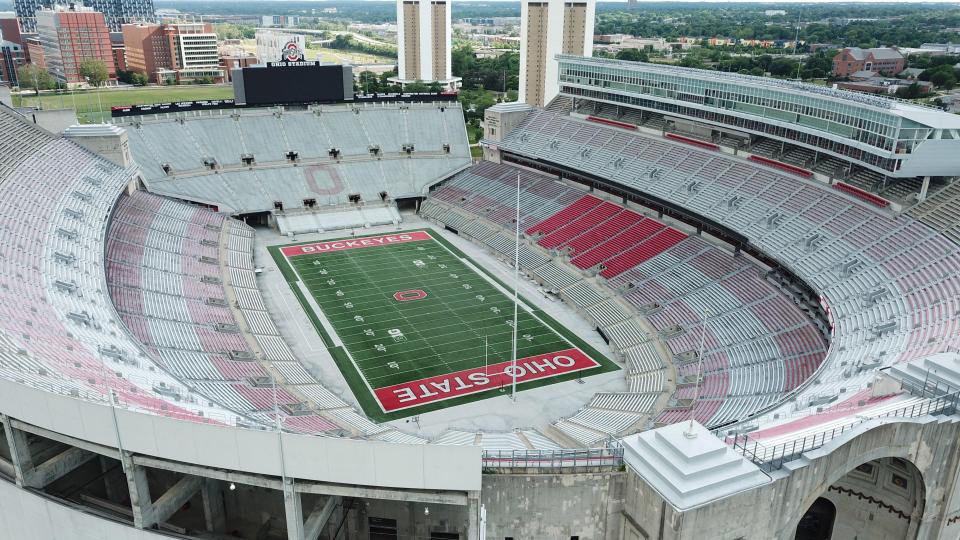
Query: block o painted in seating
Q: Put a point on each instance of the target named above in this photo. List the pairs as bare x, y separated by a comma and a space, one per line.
409, 295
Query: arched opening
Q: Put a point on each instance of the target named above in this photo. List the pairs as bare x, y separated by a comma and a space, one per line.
882, 498
817, 523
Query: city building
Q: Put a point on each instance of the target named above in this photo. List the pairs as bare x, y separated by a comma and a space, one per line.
276, 46
944, 48
34, 52
423, 42
71, 35
882, 85
549, 28
880, 60
12, 56
279, 21
119, 51
228, 62
116, 12
169, 52
10, 27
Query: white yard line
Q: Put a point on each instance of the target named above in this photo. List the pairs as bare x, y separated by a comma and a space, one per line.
333, 335
337, 342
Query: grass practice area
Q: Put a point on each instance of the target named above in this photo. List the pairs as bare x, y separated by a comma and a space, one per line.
88, 107
415, 326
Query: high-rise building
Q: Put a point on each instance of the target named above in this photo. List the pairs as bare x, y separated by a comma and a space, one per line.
70, 35
549, 28
173, 51
116, 12
423, 39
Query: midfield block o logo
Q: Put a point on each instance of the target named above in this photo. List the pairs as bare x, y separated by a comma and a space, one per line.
409, 295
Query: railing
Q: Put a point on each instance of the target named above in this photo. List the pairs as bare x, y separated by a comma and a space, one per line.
770, 458
611, 457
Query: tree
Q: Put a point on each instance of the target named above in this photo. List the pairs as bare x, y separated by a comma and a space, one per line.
34, 78
94, 71
633, 55
944, 79
910, 92
782, 67
416, 87
368, 82
132, 77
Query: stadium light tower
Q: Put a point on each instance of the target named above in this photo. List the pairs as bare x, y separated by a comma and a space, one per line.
689, 433
516, 296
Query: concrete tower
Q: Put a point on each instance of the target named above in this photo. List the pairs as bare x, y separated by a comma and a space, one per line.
548, 28
423, 42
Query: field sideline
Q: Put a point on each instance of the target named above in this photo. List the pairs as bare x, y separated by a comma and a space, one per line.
417, 326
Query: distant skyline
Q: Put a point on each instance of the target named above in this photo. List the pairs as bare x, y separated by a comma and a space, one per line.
770, 2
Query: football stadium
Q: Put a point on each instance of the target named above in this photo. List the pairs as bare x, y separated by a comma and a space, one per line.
671, 304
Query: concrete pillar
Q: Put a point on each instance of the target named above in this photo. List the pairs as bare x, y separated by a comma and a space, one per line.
27, 472
19, 452
293, 511
110, 484
923, 189
473, 516
140, 502
406, 526
214, 514
361, 520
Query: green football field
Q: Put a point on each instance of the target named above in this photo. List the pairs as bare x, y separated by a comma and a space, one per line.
414, 325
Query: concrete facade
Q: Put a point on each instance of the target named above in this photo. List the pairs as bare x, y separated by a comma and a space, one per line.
930, 444
554, 506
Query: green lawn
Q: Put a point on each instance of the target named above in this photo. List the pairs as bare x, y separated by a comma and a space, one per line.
450, 343
88, 106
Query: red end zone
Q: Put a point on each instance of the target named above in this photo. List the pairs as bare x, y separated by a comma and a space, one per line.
368, 241
471, 381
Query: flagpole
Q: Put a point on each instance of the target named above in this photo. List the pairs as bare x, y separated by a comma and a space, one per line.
689, 433
516, 295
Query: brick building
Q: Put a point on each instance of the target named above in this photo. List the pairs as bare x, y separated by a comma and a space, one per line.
178, 52
883, 60
71, 35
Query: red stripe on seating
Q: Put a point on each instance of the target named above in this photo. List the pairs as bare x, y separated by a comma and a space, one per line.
694, 142
781, 165
863, 195
561, 218
480, 379
613, 123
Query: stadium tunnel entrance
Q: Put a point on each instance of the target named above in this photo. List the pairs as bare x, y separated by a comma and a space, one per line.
257, 219
883, 498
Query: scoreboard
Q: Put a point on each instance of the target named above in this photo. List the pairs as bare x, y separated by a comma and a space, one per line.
280, 83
